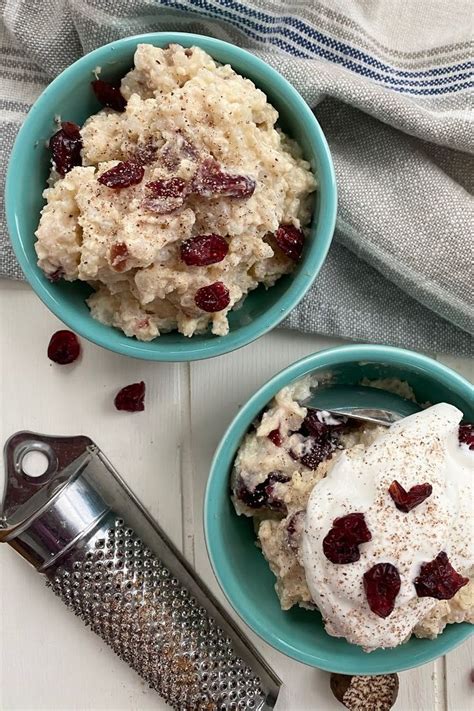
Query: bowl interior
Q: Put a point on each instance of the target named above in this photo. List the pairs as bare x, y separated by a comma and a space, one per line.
71, 98
244, 574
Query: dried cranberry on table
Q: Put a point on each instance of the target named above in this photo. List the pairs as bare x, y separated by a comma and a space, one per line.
263, 496
382, 585
290, 240
210, 180
204, 250
66, 146
466, 434
109, 94
407, 500
212, 298
64, 347
131, 398
341, 544
122, 175
438, 579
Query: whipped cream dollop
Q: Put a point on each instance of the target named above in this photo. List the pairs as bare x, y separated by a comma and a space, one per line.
422, 448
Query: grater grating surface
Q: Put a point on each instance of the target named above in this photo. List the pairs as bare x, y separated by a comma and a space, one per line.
128, 597
113, 567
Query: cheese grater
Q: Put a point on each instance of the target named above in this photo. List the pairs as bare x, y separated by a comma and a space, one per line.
99, 550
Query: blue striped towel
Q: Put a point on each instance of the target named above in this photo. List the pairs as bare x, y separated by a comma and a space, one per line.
391, 84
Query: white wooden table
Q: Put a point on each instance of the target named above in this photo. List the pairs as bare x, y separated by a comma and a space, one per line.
48, 659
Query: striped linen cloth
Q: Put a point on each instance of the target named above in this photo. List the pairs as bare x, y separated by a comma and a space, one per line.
391, 84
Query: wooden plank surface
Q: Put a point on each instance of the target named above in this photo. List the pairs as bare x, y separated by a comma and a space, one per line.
49, 661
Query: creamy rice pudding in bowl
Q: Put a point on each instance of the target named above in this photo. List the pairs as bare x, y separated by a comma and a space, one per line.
345, 545
190, 200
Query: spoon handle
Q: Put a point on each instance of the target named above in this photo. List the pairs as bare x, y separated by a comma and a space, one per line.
376, 416
369, 404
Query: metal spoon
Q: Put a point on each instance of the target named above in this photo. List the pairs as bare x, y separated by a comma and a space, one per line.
361, 402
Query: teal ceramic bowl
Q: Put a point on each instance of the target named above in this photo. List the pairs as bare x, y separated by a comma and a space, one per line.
238, 564
70, 96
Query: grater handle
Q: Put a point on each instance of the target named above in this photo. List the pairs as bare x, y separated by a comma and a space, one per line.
24, 493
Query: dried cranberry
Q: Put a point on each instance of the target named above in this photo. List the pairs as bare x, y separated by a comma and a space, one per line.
407, 500
131, 398
165, 195
210, 180
66, 146
290, 240
176, 150
142, 323
294, 529
382, 585
144, 154
55, 276
438, 579
317, 450
341, 544
203, 250
122, 175
161, 206
321, 440
109, 94
354, 525
264, 493
174, 187
212, 298
118, 256
64, 347
275, 437
313, 423
466, 435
